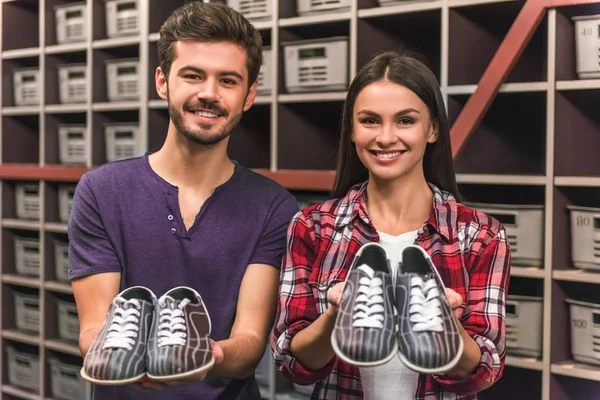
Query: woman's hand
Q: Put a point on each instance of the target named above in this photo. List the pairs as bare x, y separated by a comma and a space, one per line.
455, 300
334, 295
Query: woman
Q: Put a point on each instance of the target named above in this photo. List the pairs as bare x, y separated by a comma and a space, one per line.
395, 186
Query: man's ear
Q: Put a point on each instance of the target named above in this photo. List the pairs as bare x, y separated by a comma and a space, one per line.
251, 96
161, 83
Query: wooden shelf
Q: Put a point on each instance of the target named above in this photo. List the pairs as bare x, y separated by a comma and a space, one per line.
116, 106
527, 272
57, 173
578, 181
65, 48
157, 104
464, 3
314, 19
116, 42
20, 393
14, 223
65, 108
55, 227
62, 346
21, 280
21, 337
408, 7
311, 97
302, 180
580, 84
502, 179
21, 110
505, 88
59, 287
524, 362
21, 53
576, 370
576, 275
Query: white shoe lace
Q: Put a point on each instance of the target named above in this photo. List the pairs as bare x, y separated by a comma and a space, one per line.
425, 305
171, 328
124, 326
369, 308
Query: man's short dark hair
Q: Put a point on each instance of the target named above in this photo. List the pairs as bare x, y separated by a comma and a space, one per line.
209, 22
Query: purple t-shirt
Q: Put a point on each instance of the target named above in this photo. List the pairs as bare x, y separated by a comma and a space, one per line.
125, 218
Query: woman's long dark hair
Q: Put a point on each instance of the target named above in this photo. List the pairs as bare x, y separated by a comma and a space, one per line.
405, 70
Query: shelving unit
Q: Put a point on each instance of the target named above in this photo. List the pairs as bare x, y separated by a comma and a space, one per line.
536, 145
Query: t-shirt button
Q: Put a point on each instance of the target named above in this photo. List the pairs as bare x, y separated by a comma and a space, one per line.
170, 217
173, 230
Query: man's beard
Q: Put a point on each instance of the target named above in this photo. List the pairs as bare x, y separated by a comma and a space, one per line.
203, 135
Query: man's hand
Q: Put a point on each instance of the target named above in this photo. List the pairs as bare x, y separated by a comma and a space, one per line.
149, 384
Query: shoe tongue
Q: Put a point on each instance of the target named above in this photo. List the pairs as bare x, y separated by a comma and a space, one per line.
125, 303
169, 302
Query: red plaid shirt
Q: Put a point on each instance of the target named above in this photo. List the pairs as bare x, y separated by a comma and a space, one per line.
469, 249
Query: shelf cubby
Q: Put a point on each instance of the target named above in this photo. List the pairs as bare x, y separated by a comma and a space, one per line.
311, 126
9, 253
529, 385
418, 33
100, 78
564, 323
501, 193
158, 119
250, 142
500, 145
51, 35
566, 65
159, 10
15, 16
561, 220
523, 286
54, 243
53, 302
577, 133
475, 34
53, 64
10, 303
153, 64
99, 119
28, 388
317, 31
23, 144
53, 124
9, 67
69, 381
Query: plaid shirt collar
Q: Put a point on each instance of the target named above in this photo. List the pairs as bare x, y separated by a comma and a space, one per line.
444, 208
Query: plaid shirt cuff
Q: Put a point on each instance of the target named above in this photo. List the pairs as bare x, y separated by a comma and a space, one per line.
290, 366
487, 373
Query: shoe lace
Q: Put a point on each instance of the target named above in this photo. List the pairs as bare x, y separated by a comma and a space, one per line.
171, 319
368, 310
124, 325
425, 305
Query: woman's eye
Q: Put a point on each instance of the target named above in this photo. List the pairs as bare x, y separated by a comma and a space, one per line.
368, 121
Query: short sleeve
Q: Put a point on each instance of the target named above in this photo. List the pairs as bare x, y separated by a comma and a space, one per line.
90, 249
271, 244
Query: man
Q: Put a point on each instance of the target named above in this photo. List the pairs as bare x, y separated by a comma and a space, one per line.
188, 215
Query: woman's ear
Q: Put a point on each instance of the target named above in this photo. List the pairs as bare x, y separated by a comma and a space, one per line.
434, 133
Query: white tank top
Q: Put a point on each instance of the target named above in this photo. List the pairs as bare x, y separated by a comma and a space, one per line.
392, 380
